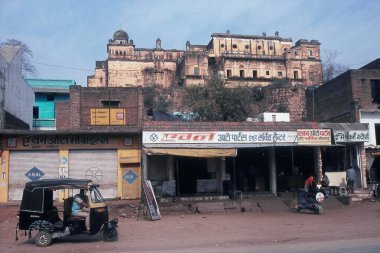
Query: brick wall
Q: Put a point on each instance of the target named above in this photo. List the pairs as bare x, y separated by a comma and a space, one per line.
76, 113
288, 98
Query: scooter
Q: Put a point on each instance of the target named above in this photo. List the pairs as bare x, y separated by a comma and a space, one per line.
310, 200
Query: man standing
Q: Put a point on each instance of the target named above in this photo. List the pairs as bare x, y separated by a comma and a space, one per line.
350, 177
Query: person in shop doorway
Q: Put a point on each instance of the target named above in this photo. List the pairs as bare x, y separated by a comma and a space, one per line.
350, 177
309, 183
80, 206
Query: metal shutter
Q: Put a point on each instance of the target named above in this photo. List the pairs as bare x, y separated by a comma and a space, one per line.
98, 165
21, 162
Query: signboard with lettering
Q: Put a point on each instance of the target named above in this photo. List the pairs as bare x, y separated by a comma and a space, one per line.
34, 174
314, 136
243, 137
350, 136
150, 199
108, 116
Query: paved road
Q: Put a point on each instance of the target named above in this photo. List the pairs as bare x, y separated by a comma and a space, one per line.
367, 245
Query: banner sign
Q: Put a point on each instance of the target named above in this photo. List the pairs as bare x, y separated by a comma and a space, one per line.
243, 137
150, 199
314, 136
107, 116
350, 136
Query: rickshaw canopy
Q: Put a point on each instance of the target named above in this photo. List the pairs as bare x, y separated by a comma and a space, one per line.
38, 195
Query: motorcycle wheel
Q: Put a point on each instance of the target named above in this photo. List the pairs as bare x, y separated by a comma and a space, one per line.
110, 235
43, 239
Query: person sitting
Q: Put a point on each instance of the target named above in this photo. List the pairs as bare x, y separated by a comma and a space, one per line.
325, 180
79, 207
309, 183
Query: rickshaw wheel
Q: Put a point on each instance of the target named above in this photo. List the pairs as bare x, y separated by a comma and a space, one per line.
110, 235
43, 239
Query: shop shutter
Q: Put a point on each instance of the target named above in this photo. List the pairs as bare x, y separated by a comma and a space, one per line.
98, 165
25, 166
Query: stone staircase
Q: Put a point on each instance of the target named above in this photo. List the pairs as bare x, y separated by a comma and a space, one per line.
360, 195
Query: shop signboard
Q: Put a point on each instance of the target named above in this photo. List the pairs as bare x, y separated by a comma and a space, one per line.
108, 116
341, 136
320, 137
218, 137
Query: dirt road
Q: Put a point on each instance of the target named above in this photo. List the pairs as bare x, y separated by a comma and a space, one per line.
218, 229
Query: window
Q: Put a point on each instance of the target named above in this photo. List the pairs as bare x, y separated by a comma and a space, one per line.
241, 73
259, 47
254, 73
110, 103
285, 49
50, 97
229, 73
296, 53
310, 52
222, 45
246, 46
234, 46
295, 74
267, 72
279, 73
36, 112
270, 47
197, 71
362, 81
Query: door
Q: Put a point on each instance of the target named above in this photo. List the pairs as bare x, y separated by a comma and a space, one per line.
98, 165
27, 166
131, 181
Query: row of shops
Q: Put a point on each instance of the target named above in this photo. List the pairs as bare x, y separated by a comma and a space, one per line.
186, 159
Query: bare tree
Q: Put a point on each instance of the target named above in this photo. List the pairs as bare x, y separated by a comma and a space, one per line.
28, 69
330, 68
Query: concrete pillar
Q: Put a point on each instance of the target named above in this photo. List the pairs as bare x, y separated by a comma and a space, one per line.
272, 170
362, 162
222, 174
170, 167
144, 166
318, 162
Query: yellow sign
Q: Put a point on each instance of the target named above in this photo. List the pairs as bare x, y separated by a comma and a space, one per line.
314, 136
108, 117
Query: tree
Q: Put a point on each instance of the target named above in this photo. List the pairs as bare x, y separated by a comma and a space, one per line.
156, 99
330, 68
215, 102
28, 69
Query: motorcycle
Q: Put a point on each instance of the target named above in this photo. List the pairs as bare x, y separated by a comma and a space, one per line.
312, 200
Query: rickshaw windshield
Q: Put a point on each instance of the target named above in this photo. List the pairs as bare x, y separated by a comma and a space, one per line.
96, 196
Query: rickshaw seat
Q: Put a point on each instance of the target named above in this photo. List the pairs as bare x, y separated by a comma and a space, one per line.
67, 210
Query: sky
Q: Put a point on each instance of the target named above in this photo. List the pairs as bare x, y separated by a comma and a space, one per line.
67, 37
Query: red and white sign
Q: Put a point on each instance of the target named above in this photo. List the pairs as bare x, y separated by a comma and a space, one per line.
214, 137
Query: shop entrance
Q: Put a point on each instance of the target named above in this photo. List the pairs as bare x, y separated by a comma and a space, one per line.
189, 170
252, 170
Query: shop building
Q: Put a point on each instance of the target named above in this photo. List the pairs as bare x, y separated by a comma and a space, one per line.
352, 97
225, 158
98, 137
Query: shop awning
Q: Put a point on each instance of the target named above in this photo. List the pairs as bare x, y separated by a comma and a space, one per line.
192, 152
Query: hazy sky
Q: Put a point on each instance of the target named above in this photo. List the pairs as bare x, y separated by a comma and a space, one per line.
68, 36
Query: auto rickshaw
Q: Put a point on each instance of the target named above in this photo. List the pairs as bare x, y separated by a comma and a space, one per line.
39, 216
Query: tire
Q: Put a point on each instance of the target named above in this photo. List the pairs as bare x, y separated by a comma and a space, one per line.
110, 235
43, 239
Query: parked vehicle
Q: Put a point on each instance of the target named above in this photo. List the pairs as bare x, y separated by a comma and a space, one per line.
39, 216
310, 200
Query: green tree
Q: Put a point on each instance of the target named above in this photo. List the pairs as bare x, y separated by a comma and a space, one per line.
216, 102
156, 99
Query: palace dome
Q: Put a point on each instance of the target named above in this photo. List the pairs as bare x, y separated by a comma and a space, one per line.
120, 35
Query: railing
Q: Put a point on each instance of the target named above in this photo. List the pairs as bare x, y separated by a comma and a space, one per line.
44, 124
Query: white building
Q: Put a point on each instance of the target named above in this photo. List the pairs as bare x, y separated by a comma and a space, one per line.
16, 95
